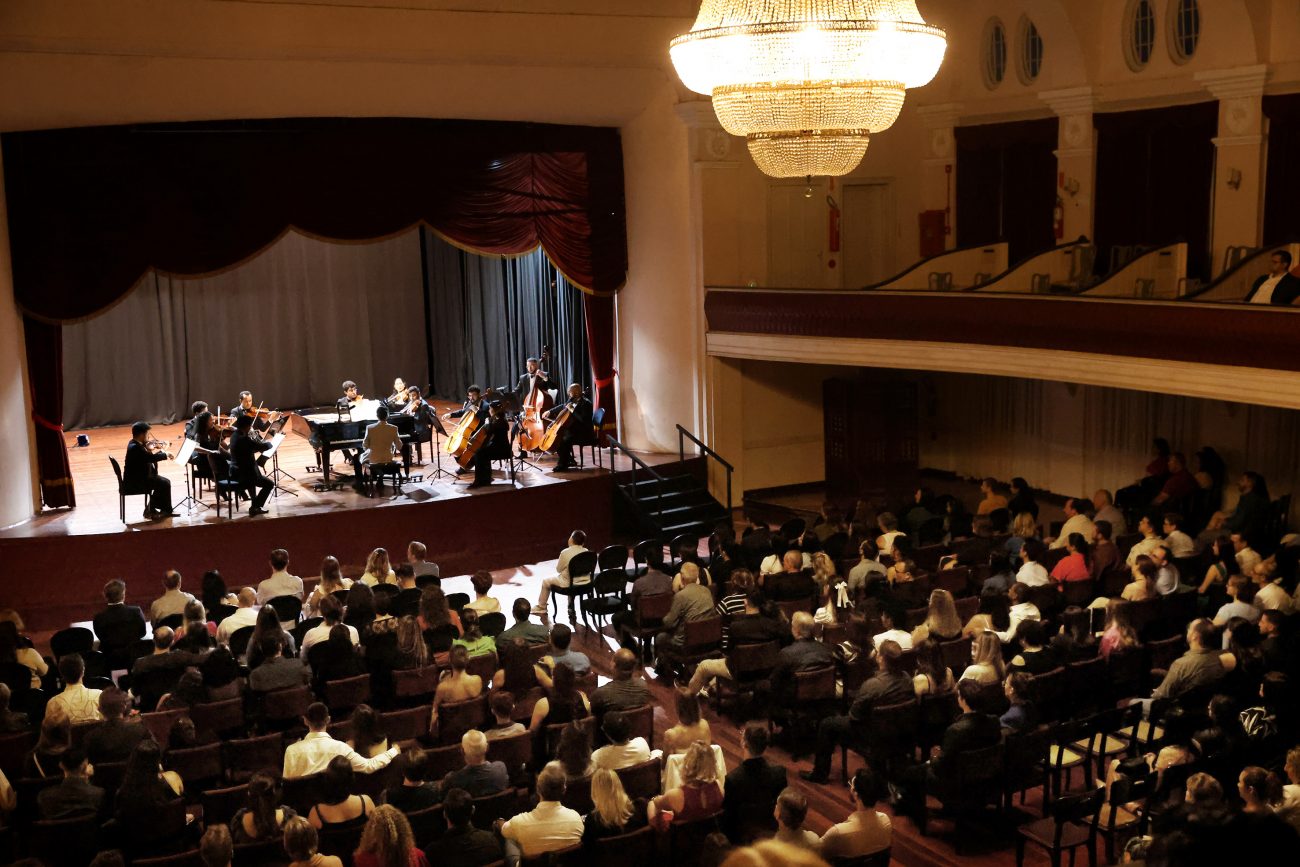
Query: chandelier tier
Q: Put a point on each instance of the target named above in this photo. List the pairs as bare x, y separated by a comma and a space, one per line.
807, 81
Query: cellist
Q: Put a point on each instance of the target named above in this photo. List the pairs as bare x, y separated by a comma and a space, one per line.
576, 431
496, 445
473, 404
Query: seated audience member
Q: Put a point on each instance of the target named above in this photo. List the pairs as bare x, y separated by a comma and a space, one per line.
74, 795
972, 730
367, 737
866, 831
189, 691
479, 777
407, 600
1150, 539
1035, 656
867, 570
1180, 544
317, 749
1105, 556
388, 841
561, 638
691, 726
162, 658
805, 653
1223, 565
791, 810
119, 625
1022, 611
481, 581
1074, 565
502, 704
339, 807
577, 545
888, 621
1260, 791
888, 686
11, 720
793, 581
301, 844
1001, 575
754, 626
277, 671
76, 703
1021, 714
1199, 666
699, 794
359, 608
473, 639
903, 569
690, 566
1166, 571
145, 788
1143, 585
462, 844
1104, 504
280, 583
549, 826
268, 624
173, 600
625, 692
517, 673
12, 651
458, 684
265, 816
623, 750
932, 676
613, 812
654, 582
1032, 573
889, 532
113, 739
1076, 521
331, 581
244, 615
693, 602
752, 788
1179, 483
532, 633
379, 569
990, 500
941, 620
415, 556
410, 651
199, 636
1241, 596
331, 612
415, 791
986, 661
1119, 634
1270, 595
573, 751
563, 702
55, 740
1023, 528
217, 848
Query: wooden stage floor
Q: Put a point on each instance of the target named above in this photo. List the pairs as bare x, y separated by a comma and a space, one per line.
97, 500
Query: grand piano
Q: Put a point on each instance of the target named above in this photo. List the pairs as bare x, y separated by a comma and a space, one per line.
330, 429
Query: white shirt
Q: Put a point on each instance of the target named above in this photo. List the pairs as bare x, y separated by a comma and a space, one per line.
548, 827
904, 639
77, 703
235, 622
615, 756
562, 564
1080, 524
1180, 545
1116, 518
1273, 596
321, 633
885, 541
1247, 559
313, 753
1264, 295
281, 583
1033, 574
1020, 612
1143, 546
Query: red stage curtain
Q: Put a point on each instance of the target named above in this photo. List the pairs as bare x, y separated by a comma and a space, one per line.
45, 373
599, 312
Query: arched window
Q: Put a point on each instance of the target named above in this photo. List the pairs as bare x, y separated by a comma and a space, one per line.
1185, 29
995, 53
1140, 33
1031, 51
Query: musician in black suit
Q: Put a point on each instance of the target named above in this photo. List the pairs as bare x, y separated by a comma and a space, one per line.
497, 446
140, 473
351, 397
244, 450
426, 420
577, 431
473, 403
536, 375
191, 426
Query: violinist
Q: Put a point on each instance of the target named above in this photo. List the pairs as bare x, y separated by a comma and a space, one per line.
351, 398
199, 406
422, 411
398, 400
207, 436
140, 473
245, 405
577, 431
473, 404
244, 451
497, 446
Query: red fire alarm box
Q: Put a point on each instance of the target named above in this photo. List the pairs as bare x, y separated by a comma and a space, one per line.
933, 231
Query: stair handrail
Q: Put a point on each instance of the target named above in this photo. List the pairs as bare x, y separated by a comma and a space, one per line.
682, 433
637, 463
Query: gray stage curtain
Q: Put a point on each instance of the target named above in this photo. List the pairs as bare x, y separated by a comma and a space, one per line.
290, 325
491, 314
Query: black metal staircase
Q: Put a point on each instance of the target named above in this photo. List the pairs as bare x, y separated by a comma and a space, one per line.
670, 505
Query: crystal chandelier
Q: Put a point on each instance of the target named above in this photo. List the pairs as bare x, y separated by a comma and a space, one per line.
807, 81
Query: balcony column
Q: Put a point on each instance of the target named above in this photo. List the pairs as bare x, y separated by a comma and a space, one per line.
939, 166
1076, 158
1239, 165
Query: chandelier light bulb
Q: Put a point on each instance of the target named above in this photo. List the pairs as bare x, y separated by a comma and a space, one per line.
807, 81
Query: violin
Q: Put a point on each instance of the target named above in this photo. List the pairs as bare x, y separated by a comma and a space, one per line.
531, 427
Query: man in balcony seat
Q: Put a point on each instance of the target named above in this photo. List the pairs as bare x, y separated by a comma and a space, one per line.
1279, 286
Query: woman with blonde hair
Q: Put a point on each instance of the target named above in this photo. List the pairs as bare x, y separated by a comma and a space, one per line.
301, 843
388, 841
1119, 633
1025, 526
697, 797
941, 621
331, 579
824, 570
612, 811
690, 569
986, 660
378, 569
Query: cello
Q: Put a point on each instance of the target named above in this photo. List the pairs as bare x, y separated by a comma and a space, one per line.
531, 428
556, 426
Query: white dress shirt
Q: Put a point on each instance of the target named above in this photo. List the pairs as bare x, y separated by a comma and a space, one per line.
1145, 545
313, 753
1248, 559
281, 583
615, 756
1033, 574
548, 827
1080, 524
321, 633
235, 622
1020, 612
1264, 295
904, 639
1272, 596
77, 703
562, 564
1180, 545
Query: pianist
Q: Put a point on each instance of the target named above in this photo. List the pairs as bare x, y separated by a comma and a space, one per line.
381, 444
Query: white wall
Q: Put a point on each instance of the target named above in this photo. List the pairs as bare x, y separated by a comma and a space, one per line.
18, 494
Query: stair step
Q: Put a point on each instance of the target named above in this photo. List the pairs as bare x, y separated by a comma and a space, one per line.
672, 482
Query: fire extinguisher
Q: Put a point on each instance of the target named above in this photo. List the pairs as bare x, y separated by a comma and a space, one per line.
1058, 219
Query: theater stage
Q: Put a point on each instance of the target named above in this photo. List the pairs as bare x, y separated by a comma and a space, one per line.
57, 563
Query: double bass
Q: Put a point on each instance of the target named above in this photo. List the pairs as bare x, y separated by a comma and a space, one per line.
531, 427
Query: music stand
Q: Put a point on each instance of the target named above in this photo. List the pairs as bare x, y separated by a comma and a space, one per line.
276, 430
183, 458
438, 433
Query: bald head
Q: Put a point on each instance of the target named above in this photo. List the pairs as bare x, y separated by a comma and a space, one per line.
474, 745
247, 597
792, 561
624, 664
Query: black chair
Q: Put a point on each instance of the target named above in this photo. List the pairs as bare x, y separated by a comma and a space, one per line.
1116, 818
197, 766
492, 623
975, 781
582, 582
608, 597
302, 793
686, 839
647, 618
457, 717
457, 601
74, 639
124, 491
286, 706
641, 554
1026, 762
239, 640
409, 724
246, 756
65, 842
888, 736
414, 686
1072, 823
260, 853
642, 780
427, 825
221, 805
287, 608
345, 694
749, 665
171, 621
502, 805
219, 717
